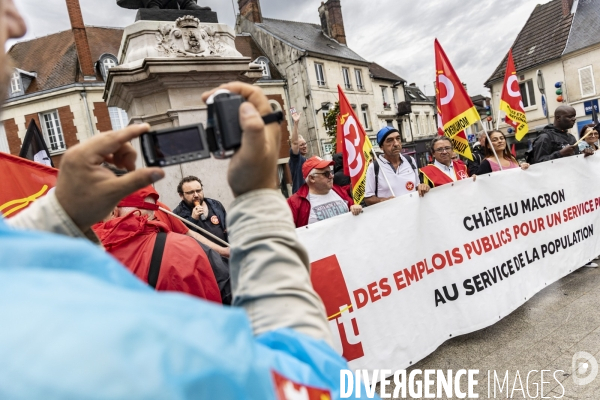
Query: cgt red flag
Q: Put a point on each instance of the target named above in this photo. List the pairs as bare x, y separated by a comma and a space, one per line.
23, 182
456, 111
511, 101
356, 147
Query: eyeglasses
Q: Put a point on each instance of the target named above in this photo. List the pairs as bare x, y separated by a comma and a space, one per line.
326, 174
594, 134
191, 192
443, 149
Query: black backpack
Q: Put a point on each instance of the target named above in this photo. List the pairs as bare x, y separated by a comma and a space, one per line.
376, 166
529, 154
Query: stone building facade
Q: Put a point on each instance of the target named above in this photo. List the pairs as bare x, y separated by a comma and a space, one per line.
313, 60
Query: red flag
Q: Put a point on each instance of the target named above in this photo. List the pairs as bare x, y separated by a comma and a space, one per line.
455, 108
357, 147
23, 182
511, 102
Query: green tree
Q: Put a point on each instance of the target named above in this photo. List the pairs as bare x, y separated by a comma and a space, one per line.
331, 125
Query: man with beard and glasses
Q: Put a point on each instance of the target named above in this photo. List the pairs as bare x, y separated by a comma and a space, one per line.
208, 214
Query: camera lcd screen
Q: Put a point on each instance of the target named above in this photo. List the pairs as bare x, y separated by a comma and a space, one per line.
179, 142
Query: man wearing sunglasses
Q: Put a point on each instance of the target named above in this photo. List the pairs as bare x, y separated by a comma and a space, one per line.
444, 169
319, 198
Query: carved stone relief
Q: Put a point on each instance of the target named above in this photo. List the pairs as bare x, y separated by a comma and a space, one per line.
187, 38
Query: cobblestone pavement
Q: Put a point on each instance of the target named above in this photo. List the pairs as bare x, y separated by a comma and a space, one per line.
543, 334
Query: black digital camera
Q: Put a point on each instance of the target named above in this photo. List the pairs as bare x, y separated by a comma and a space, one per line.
222, 136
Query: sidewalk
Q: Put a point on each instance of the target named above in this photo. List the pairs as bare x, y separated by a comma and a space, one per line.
543, 334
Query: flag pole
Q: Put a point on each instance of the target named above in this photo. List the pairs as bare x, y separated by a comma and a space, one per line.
204, 231
383, 172
492, 146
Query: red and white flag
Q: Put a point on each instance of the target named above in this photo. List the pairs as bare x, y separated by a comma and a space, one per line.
456, 111
511, 101
356, 147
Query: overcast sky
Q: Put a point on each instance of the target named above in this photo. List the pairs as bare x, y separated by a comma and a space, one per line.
397, 34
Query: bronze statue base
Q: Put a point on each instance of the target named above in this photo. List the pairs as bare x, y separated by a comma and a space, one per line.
155, 14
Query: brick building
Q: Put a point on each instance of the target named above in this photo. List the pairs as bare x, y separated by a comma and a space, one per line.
58, 81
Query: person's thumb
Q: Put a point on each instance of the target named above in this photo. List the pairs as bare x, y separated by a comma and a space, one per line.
253, 126
135, 180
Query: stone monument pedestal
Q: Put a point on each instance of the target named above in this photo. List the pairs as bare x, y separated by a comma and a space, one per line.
153, 14
163, 70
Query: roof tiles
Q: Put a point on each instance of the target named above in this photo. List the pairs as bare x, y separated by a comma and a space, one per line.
308, 37
542, 39
54, 57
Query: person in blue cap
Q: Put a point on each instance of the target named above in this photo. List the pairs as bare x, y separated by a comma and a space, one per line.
391, 174
78, 325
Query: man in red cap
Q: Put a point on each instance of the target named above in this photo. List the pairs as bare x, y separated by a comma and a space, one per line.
319, 198
165, 260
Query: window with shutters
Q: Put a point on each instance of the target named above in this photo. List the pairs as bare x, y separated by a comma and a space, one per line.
586, 81
53, 131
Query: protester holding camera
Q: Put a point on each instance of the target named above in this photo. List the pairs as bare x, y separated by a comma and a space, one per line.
507, 160
112, 336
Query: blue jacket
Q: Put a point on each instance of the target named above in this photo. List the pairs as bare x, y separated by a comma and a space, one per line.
76, 324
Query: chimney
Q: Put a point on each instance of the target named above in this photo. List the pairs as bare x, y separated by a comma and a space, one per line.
81, 41
567, 5
250, 9
332, 22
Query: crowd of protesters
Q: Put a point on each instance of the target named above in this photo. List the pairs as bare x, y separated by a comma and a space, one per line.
253, 262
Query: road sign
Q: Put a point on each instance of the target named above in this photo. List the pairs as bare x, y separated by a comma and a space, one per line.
544, 106
588, 106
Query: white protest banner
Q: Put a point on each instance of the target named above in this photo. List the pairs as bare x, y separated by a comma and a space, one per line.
410, 273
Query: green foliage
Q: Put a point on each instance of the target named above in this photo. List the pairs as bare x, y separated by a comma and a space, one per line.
331, 124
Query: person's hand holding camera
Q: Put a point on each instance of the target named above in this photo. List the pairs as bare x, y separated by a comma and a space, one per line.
87, 191
253, 166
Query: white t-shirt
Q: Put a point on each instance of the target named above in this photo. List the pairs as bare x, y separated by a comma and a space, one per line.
323, 206
403, 181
